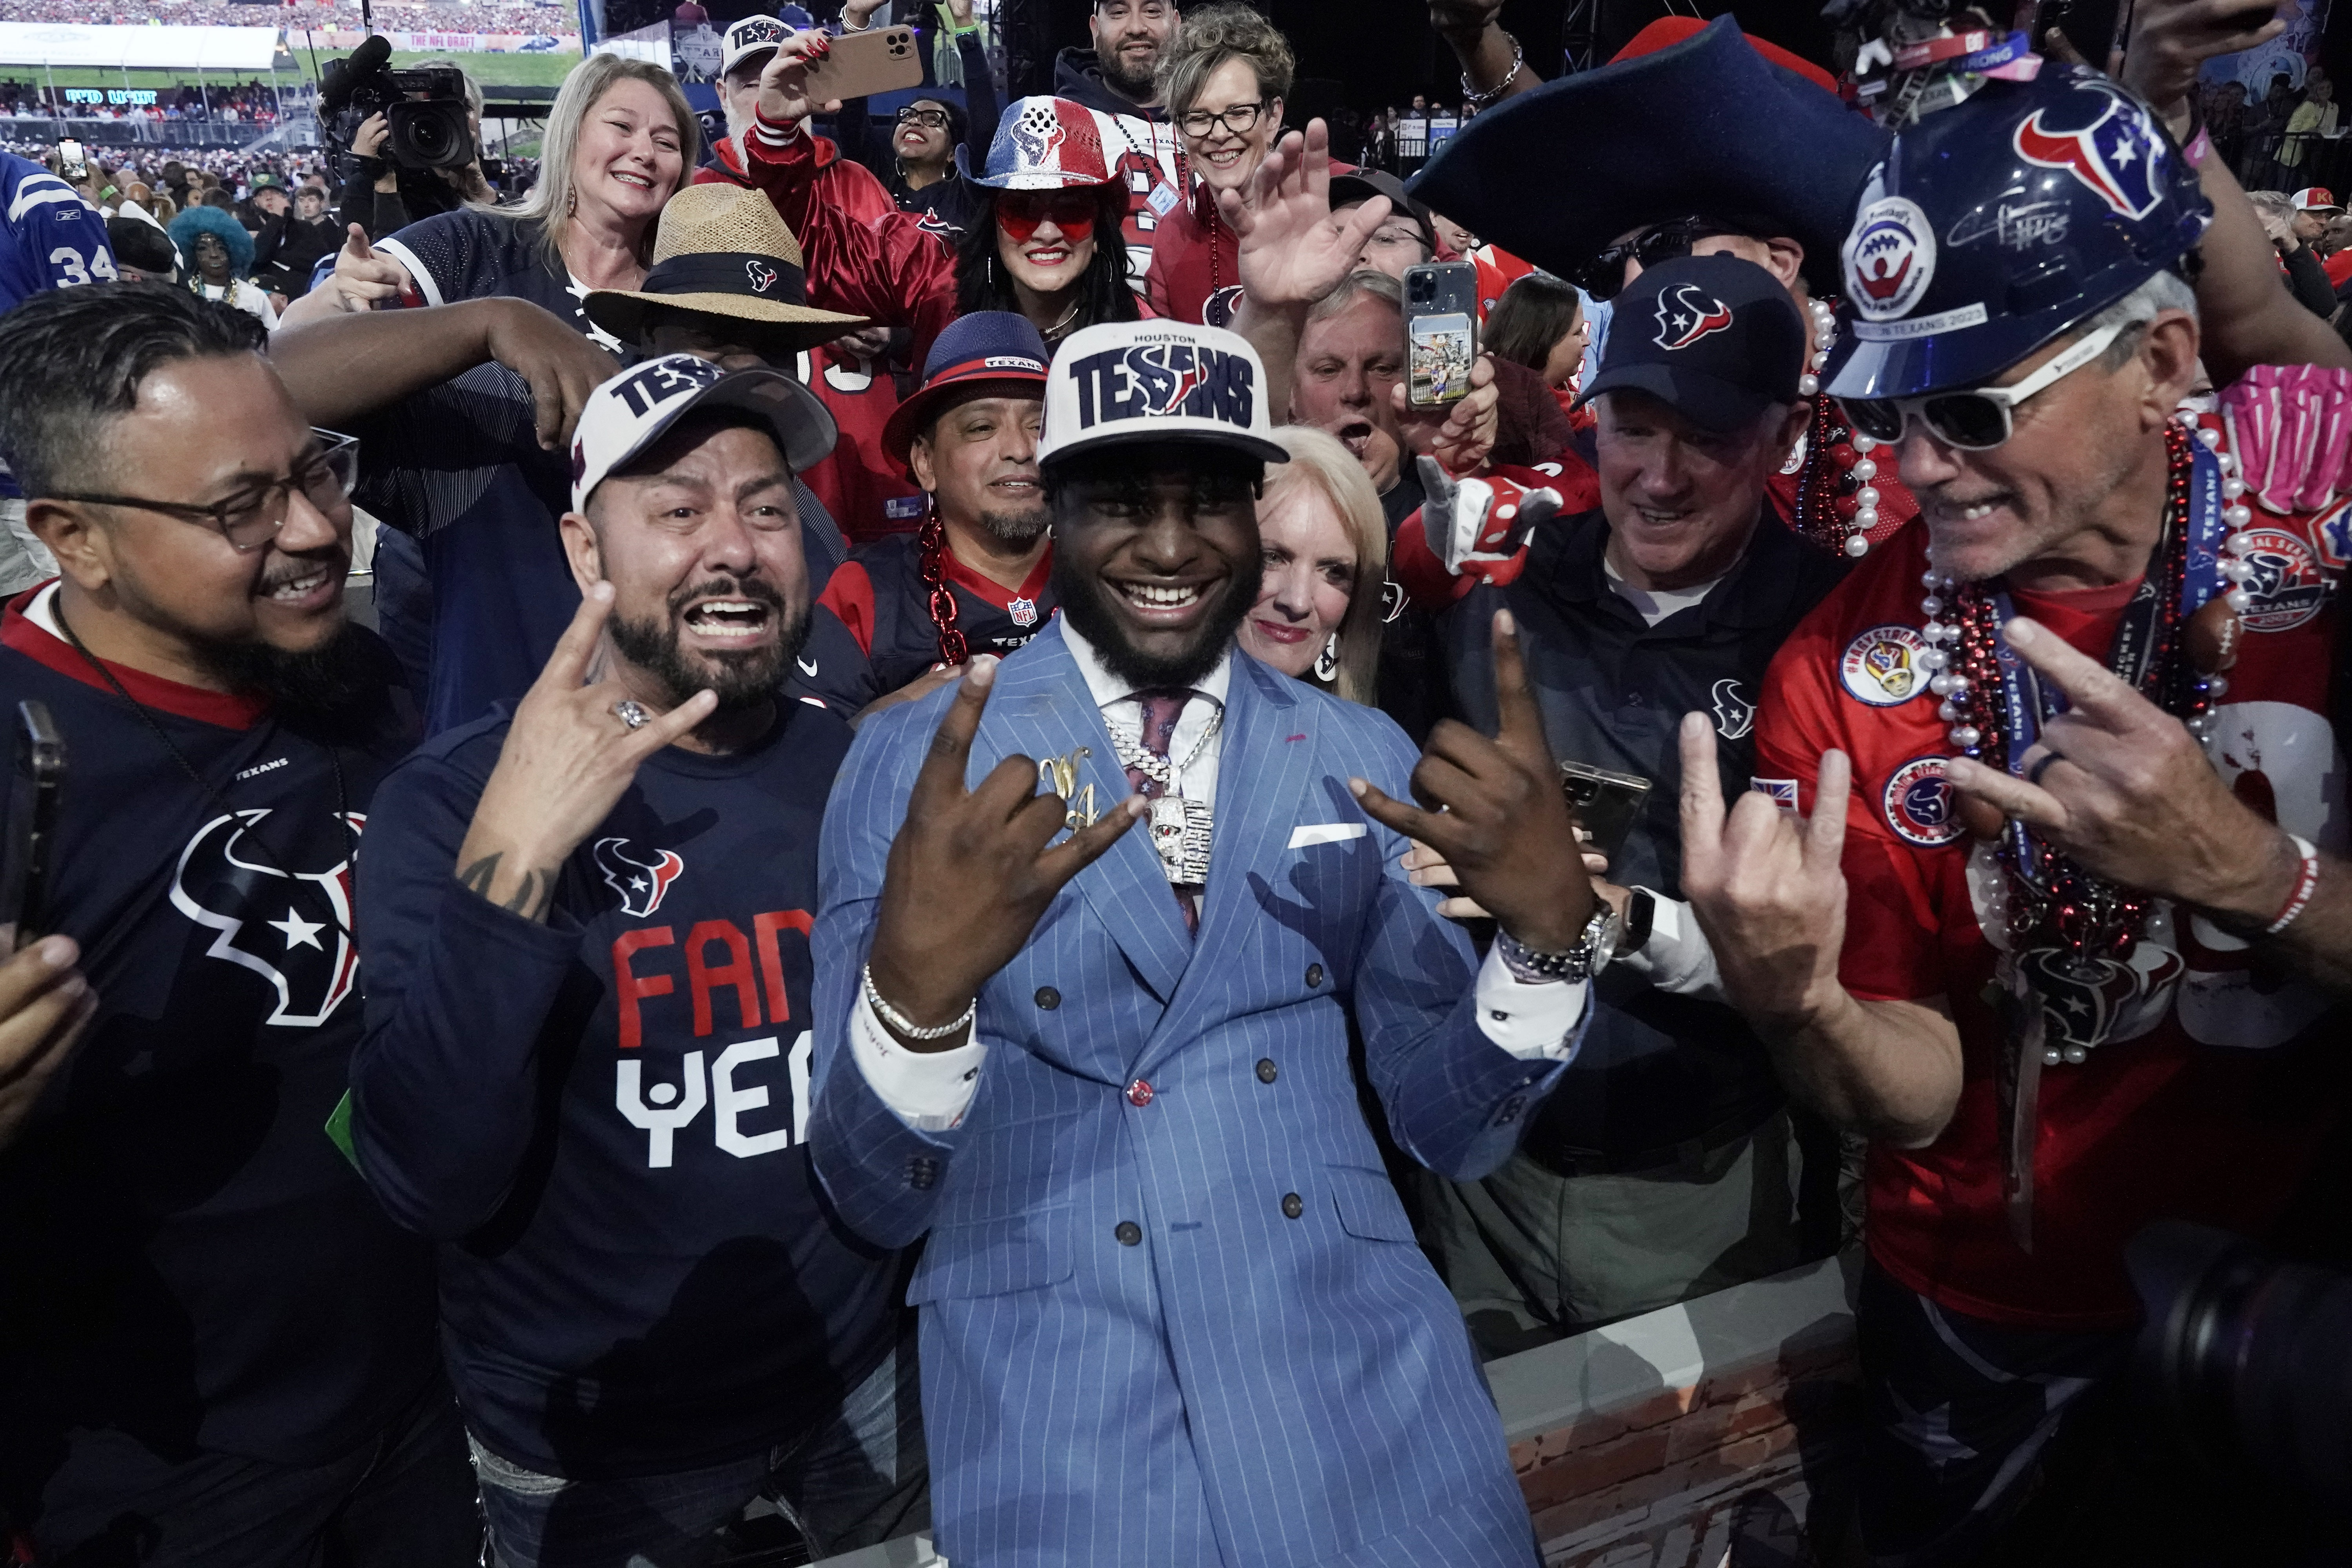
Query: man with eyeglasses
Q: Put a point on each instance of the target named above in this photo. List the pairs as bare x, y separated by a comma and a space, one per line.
215, 1347
2059, 931
1116, 77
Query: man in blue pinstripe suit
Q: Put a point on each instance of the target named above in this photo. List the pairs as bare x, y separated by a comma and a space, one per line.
1172, 1313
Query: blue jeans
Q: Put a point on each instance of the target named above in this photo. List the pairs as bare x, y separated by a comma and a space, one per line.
857, 1480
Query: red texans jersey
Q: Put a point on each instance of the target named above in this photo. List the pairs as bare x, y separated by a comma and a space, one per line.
880, 594
870, 495
2211, 1096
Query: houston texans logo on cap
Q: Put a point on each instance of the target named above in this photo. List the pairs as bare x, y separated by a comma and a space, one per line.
1685, 315
1150, 381
762, 276
1155, 381
2117, 155
1037, 134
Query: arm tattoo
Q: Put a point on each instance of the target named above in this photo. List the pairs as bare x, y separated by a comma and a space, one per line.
531, 894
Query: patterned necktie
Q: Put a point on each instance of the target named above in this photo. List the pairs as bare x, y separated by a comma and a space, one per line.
1160, 710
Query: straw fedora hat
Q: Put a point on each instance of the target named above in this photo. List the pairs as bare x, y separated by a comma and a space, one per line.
722, 250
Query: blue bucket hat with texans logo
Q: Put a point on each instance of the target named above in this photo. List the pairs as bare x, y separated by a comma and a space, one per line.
1991, 227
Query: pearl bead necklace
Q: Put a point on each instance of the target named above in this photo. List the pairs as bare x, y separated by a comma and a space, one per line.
1951, 684
1808, 384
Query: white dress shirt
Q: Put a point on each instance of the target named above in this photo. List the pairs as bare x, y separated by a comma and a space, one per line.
931, 1091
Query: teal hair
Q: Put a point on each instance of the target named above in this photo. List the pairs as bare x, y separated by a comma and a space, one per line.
201, 219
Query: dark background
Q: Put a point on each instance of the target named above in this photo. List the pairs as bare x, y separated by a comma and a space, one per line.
1371, 53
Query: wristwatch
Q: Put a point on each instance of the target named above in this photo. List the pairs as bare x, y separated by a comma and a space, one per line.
1640, 910
1595, 946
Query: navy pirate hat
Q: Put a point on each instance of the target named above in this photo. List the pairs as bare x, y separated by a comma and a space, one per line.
987, 352
1714, 338
1992, 227
1706, 127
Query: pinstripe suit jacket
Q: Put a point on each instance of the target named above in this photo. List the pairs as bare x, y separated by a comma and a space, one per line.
1272, 1374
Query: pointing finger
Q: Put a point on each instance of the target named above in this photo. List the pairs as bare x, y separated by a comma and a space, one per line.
941, 779
1409, 820
1702, 795
1088, 844
2091, 688
1825, 832
1520, 731
2009, 795
567, 667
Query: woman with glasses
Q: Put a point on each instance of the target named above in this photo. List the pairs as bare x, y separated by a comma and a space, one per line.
918, 163
1223, 83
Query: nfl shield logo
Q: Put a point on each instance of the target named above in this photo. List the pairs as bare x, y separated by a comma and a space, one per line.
1023, 611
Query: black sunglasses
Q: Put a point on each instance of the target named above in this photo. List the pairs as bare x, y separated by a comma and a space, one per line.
1604, 275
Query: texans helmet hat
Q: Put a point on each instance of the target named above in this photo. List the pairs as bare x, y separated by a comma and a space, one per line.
1991, 227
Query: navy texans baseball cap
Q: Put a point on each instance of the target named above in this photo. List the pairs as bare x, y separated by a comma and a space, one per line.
994, 346
1714, 338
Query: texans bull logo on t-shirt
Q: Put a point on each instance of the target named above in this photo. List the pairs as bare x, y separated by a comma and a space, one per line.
1161, 380
290, 927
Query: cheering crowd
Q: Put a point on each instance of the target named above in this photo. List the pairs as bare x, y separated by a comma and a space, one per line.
1001, 862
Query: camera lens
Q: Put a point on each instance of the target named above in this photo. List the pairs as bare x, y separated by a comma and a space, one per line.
1425, 288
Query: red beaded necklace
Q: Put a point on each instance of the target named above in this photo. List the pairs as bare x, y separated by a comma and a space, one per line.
2054, 904
931, 545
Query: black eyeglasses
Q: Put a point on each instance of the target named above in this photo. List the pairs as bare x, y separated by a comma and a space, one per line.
1238, 121
251, 518
936, 119
1604, 275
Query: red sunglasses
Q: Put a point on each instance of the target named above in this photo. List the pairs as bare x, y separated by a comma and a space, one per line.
1020, 213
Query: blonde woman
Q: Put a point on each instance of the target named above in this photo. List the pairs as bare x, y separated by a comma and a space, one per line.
620, 141
1319, 610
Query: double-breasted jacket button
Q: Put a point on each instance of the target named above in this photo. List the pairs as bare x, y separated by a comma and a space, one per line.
1129, 1234
1048, 998
1314, 976
1138, 1093
1266, 1070
1292, 1205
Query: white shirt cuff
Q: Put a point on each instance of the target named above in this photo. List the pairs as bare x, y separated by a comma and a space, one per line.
928, 1091
1677, 958
1534, 1023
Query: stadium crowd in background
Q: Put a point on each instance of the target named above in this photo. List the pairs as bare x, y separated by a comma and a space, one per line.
1067, 797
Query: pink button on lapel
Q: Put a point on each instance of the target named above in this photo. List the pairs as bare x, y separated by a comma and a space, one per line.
1138, 1093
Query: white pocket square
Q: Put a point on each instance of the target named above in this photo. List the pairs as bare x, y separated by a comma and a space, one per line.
1308, 833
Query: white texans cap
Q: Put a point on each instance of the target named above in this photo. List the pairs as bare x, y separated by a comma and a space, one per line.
1125, 382
629, 413
751, 36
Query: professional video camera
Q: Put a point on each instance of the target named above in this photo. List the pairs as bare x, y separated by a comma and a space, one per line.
424, 110
2244, 1366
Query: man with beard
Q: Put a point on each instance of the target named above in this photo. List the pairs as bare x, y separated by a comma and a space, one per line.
974, 578
1116, 78
214, 1348
587, 933
1172, 1313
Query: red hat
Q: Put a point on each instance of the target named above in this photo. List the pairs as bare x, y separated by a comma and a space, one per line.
1668, 31
984, 345
2316, 198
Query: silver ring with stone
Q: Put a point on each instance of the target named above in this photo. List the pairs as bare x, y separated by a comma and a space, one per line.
632, 712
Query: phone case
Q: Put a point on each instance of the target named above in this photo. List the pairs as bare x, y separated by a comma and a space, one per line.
1606, 804
881, 59
1441, 334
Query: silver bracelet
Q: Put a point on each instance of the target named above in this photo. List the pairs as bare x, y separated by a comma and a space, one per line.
900, 1023
1480, 100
